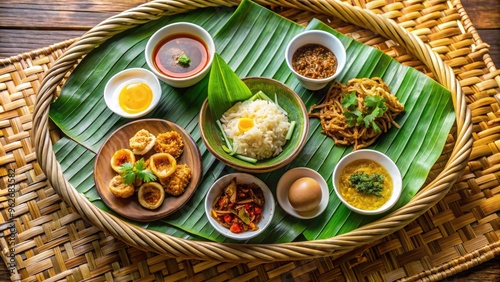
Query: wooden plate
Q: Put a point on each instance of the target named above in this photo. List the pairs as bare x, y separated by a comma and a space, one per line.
130, 207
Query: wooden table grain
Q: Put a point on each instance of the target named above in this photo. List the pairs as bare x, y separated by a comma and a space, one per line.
32, 24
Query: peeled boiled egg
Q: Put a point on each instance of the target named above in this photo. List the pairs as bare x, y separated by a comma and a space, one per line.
135, 97
304, 194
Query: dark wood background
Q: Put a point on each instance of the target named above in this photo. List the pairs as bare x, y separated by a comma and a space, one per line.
32, 24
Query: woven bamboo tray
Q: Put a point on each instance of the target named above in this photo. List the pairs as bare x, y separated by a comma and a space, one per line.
459, 231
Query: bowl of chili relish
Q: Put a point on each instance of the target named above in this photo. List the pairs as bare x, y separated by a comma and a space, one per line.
316, 58
239, 206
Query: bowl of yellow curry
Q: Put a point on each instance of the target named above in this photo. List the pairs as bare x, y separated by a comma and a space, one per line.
367, 182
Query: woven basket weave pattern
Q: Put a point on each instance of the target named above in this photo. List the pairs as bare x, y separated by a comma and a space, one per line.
55, 241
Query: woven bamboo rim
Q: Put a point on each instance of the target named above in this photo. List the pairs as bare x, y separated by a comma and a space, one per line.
177, 247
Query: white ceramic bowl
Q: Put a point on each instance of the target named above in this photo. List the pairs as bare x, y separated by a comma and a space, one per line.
287, 180
322, 38
180, 28
267, 212
125, 77
383, 160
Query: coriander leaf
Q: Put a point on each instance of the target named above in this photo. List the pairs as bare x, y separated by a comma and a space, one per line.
183, 59
350, 119
368, 120
377, 112
128, 177
127, 173
140, 165
373, 101
146, 175
142, 173
127, 167
349, 100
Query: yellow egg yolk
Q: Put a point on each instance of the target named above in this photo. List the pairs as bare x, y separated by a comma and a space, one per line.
135, 97
245, 124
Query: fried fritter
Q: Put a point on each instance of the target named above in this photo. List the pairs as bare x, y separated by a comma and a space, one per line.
177, 182
169, 142
142, 142
120, 189
120, 157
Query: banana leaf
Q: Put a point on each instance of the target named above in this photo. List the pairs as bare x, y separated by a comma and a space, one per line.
224, 88
252, 40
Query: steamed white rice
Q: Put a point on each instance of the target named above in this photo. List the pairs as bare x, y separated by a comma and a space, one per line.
266, 138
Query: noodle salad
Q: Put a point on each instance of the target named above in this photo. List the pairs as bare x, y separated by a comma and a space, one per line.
359, 112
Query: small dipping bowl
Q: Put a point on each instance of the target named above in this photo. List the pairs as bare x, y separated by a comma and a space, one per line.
267, 211
284, 186
120, 80
379, 158
319, 37
172, 30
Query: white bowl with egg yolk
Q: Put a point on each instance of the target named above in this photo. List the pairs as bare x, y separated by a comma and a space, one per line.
132, 93
285, 183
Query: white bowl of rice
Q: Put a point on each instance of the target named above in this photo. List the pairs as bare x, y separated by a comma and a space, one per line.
265, 140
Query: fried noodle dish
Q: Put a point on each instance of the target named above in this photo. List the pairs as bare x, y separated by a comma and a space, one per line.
239, 207
357, 113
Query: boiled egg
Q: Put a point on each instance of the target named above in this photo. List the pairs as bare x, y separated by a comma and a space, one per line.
132, 93
245, 124
304, 194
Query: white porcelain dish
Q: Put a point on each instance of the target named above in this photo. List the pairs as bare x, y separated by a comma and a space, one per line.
267, 212
284, 185
383, 160
125, 77
316, 37
178, 28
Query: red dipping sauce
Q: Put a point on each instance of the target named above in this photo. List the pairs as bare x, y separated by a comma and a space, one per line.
166, 55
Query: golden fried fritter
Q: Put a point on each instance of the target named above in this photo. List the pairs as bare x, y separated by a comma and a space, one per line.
162, 164
151, 195
142, 142
169, 142
177, 182
120, 157
120, 189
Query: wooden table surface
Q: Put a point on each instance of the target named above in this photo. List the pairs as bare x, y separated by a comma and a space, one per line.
32, 24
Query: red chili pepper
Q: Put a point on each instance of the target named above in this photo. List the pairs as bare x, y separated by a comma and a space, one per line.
235, 228
257, 210
228, 218
222, 202
247, 207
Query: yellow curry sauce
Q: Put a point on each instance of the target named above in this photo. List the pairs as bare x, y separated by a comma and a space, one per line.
362, 200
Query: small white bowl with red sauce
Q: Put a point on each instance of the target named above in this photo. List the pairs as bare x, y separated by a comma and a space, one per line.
180, 54
309, 57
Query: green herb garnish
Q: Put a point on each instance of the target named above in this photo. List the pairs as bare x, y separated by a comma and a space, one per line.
131, 172
368, 184
183, 59
373, 107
